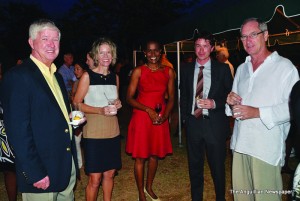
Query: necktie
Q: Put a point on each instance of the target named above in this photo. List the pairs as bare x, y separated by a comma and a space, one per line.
199, 92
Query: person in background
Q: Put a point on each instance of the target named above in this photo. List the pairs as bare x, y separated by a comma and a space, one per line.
0, 71
36, 107
123, 70
187, 58
89, 60
295, 114
7, 160
80, 68
148, 132
67, 72
259, 101
291, 143
222, 56
165, 61
19, 61
101, 134
206, 124
139, 62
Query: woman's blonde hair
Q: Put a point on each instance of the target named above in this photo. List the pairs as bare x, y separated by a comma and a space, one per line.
95, 50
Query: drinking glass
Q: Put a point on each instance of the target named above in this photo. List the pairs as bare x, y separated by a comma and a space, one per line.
112, 106
158, 107
233, 113
204, 95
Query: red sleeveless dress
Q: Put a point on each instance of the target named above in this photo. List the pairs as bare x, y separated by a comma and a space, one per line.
144, 138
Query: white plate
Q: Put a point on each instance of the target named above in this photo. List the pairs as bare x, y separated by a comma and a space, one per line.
75, 122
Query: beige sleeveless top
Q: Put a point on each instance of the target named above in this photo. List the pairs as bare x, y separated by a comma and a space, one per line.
100, 126
102, 88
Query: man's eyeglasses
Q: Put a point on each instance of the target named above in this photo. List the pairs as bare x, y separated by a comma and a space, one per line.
252, 35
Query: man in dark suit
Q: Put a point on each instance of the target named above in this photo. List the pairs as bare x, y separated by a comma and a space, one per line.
207, 131
36, 105
295, 113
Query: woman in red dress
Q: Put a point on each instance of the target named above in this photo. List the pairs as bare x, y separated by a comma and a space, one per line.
148, 132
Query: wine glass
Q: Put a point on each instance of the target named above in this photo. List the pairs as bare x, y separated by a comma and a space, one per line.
158, 107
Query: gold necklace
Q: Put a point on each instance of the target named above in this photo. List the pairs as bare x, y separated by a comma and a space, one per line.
153, 69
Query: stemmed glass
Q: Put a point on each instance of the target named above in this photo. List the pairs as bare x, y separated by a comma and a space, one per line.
158, 107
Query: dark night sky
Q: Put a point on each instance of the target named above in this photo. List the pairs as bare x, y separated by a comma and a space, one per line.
52, 7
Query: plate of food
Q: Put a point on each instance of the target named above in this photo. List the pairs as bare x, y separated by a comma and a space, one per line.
77, 118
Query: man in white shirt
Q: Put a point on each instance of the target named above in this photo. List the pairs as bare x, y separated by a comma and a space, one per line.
259, 103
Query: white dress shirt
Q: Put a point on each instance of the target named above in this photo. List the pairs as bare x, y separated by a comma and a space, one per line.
268, 88
206, 82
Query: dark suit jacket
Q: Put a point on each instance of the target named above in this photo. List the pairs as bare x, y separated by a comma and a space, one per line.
37, 129
295, 112
221, 84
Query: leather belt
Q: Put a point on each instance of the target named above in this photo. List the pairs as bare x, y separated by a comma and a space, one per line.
205, 117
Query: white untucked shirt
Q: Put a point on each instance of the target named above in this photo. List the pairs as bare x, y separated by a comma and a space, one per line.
268, 88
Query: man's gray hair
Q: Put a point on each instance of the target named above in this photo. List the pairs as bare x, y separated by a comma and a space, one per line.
40, 25
261, 24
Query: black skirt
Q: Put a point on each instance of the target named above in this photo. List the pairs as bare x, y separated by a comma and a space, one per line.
102, 155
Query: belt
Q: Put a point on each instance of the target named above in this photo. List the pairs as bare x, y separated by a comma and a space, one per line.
205, 116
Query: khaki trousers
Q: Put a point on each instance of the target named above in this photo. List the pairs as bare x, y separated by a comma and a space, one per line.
255, 180
66, 195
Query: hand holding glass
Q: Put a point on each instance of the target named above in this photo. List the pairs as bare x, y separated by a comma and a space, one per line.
112, 107
157, 108
204, 95
236, 108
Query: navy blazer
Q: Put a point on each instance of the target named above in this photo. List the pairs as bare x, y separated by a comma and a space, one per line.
221, 84
37, 129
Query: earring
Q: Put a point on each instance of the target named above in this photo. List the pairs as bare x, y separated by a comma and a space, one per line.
145, 56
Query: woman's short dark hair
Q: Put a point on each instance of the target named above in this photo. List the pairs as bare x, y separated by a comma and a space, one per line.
152, 41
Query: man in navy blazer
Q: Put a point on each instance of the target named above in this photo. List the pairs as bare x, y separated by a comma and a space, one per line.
208, 132
37, 109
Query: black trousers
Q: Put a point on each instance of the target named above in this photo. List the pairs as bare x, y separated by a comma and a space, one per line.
201, 140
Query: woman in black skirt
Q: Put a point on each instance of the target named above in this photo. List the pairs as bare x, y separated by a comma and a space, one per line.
97, 96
